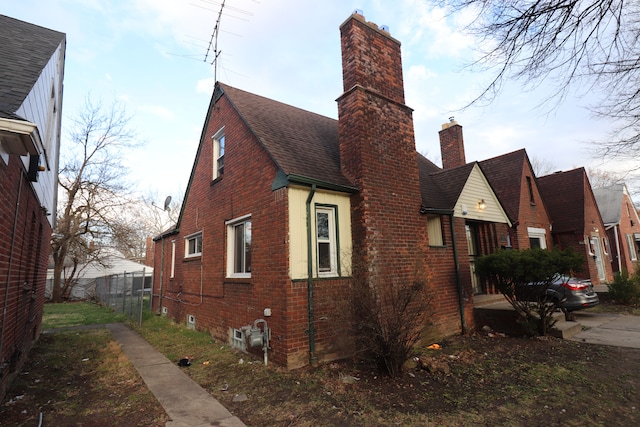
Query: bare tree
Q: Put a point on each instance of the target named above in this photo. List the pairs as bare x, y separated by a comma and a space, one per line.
584, 45
93, 190
542, 167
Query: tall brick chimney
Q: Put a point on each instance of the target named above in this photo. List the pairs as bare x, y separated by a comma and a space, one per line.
377, 151
452, 145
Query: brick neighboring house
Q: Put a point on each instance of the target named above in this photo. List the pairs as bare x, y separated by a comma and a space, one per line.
577, 222
512, 179
31, 76
282, 203
622, 224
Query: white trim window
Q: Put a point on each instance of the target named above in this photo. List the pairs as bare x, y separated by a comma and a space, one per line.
193, 245
239, 247
632, 248
218, 153
537, 237
326, 241
173, 259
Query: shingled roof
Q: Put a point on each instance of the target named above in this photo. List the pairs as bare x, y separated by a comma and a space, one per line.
564, 195
300, 142
609, 201
20, 71
441, 188
504, 173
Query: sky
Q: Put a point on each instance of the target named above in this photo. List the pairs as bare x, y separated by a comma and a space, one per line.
155, 56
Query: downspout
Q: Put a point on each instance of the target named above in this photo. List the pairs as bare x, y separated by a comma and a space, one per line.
6, 292
161, 275
313, 359
454, 245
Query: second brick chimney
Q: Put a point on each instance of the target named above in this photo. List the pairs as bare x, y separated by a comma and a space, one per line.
452, 145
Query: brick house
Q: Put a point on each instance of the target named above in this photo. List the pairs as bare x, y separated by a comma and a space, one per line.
622, 223
577, 222
283, 203
512, 179
31, 79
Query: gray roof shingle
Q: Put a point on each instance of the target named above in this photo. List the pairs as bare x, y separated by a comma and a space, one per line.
18, 70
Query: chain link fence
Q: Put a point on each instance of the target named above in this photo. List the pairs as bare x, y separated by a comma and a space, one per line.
127, 292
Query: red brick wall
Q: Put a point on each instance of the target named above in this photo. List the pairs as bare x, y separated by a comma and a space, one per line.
629, 224
452, 146
378, 153
23, 267
530, 214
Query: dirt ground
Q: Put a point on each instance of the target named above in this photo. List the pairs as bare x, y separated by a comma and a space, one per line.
481, 379
79, 379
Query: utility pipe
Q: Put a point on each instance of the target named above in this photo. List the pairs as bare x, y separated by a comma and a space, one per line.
313, 359
454, 245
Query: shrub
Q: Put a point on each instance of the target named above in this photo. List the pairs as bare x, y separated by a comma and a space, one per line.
510, 271
625, 289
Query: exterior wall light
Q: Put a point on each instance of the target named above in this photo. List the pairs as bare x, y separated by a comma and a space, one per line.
482, 205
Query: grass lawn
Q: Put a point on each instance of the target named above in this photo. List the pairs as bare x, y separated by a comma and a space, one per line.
65, 315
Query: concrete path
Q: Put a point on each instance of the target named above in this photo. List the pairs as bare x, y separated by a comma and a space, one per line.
186, 403
608, 329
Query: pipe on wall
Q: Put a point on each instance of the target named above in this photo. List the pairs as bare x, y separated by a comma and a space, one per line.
313, 359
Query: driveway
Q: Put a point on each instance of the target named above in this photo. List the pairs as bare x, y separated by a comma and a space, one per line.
608, 329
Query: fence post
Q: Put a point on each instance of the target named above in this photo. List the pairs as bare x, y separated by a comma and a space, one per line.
124, 294
141, 297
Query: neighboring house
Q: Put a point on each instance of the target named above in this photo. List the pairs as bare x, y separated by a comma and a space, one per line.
512, 179
31, 76
622, 224
283, 205
110, 262
577, 222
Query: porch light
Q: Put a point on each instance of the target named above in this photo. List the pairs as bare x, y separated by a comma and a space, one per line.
482, 205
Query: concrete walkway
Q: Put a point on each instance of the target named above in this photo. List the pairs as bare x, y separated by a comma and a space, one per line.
608, 329
186, 403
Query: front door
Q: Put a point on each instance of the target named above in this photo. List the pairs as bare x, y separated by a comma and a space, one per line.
597, 251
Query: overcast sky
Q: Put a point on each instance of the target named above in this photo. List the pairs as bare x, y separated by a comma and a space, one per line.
150, 54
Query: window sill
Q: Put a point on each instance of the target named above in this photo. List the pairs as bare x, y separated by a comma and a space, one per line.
192, 258
237, 280
218, 179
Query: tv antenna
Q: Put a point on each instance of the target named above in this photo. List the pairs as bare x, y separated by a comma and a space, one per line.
214, 41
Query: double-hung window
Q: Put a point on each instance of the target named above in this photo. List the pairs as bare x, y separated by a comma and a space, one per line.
193, 245
239, 247
326, 241
218, 153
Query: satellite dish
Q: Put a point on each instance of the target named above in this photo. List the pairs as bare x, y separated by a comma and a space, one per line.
167, 201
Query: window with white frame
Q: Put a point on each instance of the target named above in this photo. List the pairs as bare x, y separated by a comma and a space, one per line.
632, 248
173, 259
326, 241
605, 245
537, 237
434, 224
239, 247
193, 245
218, 153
